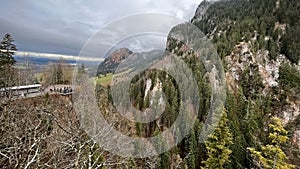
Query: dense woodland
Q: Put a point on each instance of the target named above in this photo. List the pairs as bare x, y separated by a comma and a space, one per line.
240, 20
250, 133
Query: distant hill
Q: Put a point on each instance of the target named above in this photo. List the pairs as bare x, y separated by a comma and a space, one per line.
39, 61
110, 64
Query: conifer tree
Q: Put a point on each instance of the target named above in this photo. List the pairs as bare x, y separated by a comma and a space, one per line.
272, 155
7, 50
218, 144
191, 157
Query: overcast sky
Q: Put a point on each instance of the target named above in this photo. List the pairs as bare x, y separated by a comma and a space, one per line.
63, 26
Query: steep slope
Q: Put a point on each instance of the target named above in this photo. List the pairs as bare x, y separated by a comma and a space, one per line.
274, 24
253, 34
256, 41
110, 64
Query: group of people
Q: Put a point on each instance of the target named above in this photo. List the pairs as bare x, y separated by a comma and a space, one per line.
66, 89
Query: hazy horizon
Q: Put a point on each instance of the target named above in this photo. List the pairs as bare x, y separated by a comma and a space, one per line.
37, 28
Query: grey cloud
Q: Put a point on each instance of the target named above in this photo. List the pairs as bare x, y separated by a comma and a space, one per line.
132, 27
61, 26
39, 40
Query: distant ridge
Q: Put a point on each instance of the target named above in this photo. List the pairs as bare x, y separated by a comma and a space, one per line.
39, 61
110, 64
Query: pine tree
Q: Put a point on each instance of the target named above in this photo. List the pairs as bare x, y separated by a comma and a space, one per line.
7, 49
218, 144
192, 151
271, 155
160, 145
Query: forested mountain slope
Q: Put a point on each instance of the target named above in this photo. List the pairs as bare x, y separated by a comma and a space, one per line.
110, 64
258, 44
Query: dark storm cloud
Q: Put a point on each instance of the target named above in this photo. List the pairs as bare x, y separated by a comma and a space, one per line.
39, 40
61, 26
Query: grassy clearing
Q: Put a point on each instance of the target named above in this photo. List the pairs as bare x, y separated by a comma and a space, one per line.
104, 80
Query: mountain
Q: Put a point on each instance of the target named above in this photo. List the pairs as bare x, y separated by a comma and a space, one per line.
256, 41
110, 64
257, 46
39, 61
274, 24
201, 10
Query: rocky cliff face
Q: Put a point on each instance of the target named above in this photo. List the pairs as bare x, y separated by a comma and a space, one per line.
243, 58
199, 14
253, 57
